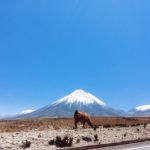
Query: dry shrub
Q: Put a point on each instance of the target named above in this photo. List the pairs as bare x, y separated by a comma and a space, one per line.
78, 141
39, 135
145, 125
59, 142
135, 125
95, 127
26, 144
107, 126
51, 142
87, 139
122, 125
95, 137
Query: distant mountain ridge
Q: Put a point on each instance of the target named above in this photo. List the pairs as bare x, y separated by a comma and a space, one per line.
79, 99
140, 111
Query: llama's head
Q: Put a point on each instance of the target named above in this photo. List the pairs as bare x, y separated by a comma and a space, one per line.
76, 111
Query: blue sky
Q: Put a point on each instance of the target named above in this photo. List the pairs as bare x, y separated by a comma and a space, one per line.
50, 48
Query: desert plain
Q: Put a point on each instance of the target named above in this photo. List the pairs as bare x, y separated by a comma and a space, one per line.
46, 134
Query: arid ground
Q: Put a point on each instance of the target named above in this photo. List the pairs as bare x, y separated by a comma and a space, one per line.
47, 134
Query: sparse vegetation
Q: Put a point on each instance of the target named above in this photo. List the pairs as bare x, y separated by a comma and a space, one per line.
59, 142
41, 124
50, 138
145, 125
107, 126
95, 127
135, 125
95, 137
78, 141
121, 125
87, 139
51, 142
26, 144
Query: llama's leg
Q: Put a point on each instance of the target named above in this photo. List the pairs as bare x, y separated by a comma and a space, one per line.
90, 123
75, 123
83, 125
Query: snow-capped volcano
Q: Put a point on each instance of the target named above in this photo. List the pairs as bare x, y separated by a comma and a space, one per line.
80, 96
79, 99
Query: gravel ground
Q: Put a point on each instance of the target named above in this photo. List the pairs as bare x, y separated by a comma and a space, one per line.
39, 139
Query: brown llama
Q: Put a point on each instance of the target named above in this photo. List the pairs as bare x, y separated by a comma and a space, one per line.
83, 118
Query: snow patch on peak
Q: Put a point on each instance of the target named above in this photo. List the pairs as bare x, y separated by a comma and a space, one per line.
143, 108
79, 91
80, 96
27, 111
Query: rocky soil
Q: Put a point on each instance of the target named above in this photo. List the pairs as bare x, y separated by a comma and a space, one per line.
39, 140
